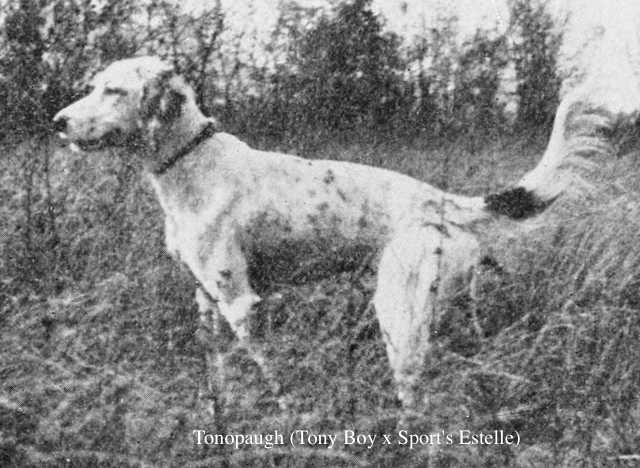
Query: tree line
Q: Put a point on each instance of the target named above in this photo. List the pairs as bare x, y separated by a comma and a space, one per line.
329, 71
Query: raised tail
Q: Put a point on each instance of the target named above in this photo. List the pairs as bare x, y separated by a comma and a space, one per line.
586, 124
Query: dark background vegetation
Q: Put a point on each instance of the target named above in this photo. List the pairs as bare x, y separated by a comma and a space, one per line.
99, 364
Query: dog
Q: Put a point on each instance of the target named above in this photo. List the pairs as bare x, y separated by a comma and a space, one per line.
225, 202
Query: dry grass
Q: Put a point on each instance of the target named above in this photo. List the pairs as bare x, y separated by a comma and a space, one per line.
106, 370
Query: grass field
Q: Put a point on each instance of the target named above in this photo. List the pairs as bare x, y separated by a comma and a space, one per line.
100, 365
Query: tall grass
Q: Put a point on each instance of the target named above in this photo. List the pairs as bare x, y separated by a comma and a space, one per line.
105, 369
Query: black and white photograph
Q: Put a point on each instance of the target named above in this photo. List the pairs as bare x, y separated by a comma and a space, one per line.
319, 233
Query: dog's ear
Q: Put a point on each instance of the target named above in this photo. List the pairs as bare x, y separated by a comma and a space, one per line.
162, 99
171, 105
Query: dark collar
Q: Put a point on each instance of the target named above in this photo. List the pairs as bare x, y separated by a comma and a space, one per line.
207, 132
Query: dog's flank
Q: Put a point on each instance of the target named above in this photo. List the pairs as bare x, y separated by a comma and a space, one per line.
227, 205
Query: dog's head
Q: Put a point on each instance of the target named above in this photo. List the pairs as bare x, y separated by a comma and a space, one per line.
131, 101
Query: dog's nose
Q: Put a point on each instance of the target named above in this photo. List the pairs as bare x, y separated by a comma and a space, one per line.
60, 123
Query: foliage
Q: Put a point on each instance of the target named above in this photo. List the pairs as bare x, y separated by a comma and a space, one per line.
434, 53
351, 67
341, 73
326, 72
475, 107
536, 45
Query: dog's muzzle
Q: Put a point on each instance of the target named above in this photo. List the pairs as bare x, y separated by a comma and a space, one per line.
115, 137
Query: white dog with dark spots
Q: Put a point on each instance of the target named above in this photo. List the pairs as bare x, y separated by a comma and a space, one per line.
228, 205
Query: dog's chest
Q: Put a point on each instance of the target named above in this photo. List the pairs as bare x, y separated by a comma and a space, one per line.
180, 237
184, 233
187, 218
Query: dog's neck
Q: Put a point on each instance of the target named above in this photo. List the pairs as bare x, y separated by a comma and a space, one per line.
207, 131
174, 161
169, 144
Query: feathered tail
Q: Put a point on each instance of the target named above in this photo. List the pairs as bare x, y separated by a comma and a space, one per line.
586, 124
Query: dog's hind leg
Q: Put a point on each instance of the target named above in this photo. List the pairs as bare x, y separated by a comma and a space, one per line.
404, 300
418, 269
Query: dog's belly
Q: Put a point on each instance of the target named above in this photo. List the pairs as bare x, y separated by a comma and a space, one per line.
297, 261
284, 250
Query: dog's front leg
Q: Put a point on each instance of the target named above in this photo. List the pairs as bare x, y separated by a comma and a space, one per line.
214, 343
223, 273
225, 278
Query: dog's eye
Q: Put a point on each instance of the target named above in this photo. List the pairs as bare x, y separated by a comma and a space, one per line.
118, 91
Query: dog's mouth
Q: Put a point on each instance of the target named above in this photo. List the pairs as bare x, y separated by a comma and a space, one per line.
112, 138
